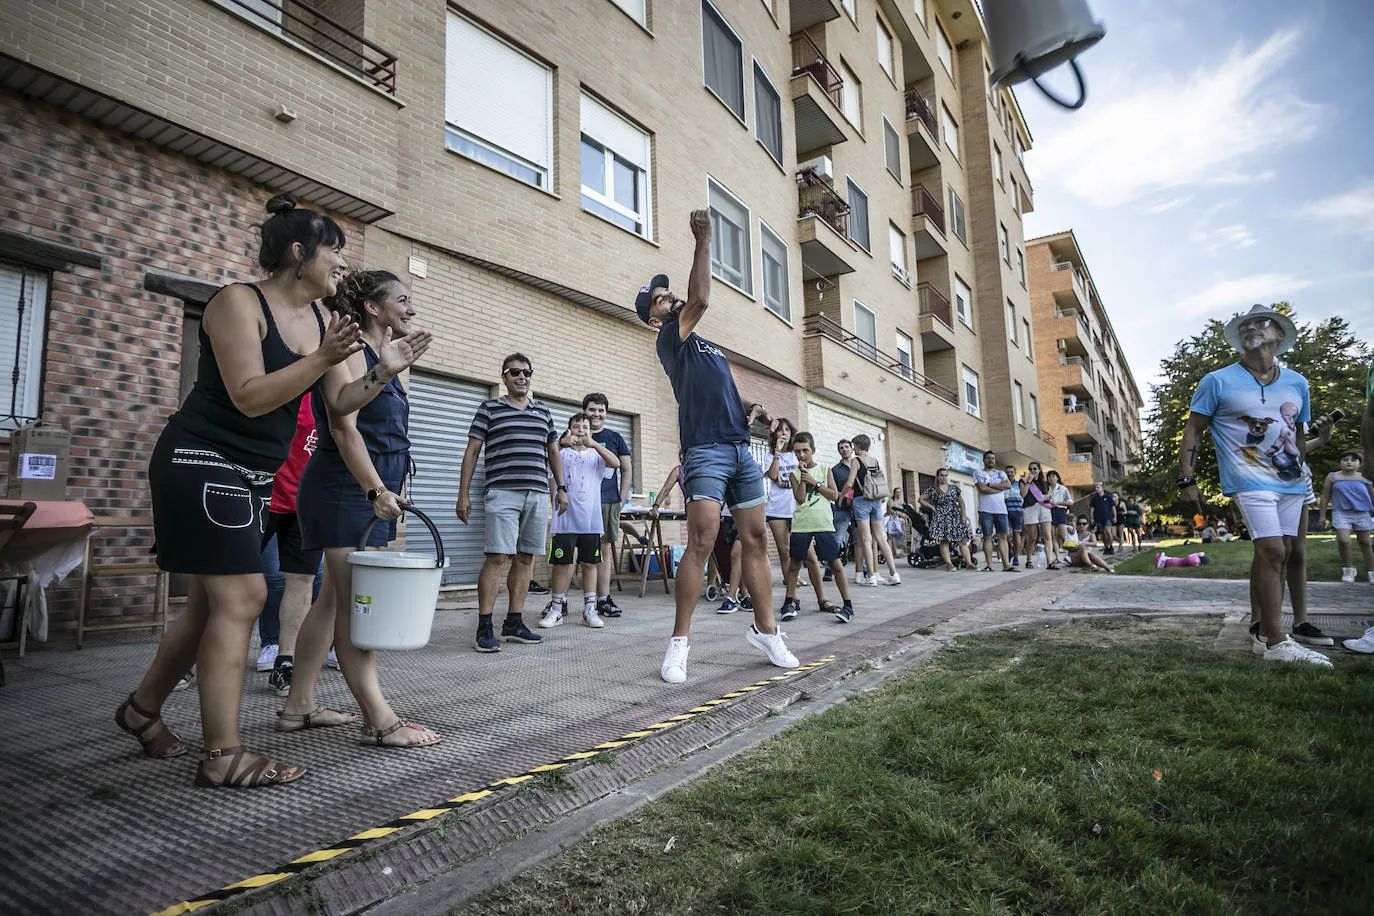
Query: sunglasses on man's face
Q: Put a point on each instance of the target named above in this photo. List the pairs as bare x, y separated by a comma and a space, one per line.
520, 373
1262, 324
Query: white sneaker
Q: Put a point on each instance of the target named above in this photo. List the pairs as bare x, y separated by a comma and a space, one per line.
674, 669
775, 645
332, 660
1364, 645
867, 581
1347, 574
1290, 651
553, 614
591, 618
893, 579
267, 658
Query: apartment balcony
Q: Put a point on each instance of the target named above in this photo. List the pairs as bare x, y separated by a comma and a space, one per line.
852, 369
823, 227
1065, 278
1081, 424
922, 130
1076, 376
803, 14
927, 224
817, 97
322, 34
937, 319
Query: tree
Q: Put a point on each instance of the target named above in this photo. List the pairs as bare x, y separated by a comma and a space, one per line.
1332, 358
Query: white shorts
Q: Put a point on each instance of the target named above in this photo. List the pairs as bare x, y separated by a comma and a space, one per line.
1351, 520
1035, 514
1270, 515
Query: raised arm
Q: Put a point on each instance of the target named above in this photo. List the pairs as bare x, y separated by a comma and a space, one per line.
699, 280
353, 450
611, 458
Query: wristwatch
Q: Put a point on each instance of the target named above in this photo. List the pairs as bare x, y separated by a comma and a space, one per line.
563, 487
375, 494
1184, 482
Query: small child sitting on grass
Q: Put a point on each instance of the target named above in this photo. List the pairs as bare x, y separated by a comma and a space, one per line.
1079, 543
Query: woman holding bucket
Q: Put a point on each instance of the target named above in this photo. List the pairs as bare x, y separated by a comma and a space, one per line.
355, 476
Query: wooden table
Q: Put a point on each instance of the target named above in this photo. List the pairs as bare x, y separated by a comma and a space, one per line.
654, 533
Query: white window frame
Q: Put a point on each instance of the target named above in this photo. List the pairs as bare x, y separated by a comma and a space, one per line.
961, 222
950, 128
268, 21
1015, 196
904, 349
896, 247
944, 48
852, 186
35, 286
863, 341
1030, 347
849, 8
743, 83
893, 168
973, 405
1019, 393
919, 9
758, 120
1013, 329
1034, 415
963, 293
641, 5
747, 259
1021, 266
643, 179
997, 163
766, 231
1005, 238
857, 108
884, 38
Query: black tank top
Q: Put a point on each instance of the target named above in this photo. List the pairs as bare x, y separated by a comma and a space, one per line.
257, 443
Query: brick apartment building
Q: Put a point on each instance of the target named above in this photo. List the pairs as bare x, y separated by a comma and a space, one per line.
525, 167
1097, 423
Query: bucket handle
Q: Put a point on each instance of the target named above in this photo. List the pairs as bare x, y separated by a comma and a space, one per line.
413, 510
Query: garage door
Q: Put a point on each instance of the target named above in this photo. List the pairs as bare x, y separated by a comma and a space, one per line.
441, 410
622, 423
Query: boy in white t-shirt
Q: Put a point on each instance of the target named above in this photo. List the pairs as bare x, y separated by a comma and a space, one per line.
577, 531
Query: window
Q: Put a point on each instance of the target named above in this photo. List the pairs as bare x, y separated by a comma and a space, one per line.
1012, 330
963, 302
920, 7
767, 114
22, 337
997, 163
944, 49
904, 363
884, 47
262, 13
951, 130
635, 9
1006, 243
849, 8
866, 329
1019, 395
722, 60
858, 216
850, 101
896, 244
615, 168
1020, 149
1035, 415
498, 104
731, 258
1015, 198
957, 219
1030, 350
892, 149
774, 250
1021, 265
972, 406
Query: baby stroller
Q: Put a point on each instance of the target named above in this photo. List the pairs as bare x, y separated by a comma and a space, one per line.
924, 553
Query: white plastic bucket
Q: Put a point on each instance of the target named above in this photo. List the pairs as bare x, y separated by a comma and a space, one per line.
394, 593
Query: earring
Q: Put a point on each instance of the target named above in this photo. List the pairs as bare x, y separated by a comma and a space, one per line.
300, 271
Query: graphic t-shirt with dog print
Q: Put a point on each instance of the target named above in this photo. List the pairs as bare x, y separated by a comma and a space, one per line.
1255, 428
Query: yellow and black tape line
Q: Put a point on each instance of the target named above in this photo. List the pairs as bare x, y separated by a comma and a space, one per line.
295, 866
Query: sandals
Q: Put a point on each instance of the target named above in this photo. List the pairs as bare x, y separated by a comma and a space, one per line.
377, 736
829, 607
246, 770
319, 717
162, 744
987, 569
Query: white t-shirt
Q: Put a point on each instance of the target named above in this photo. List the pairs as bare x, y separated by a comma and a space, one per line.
582, 471
781, 502
1060, 494
995, 503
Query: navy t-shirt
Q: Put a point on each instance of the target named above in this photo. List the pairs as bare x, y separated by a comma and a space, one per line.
708, 404
614, 443
1102, 507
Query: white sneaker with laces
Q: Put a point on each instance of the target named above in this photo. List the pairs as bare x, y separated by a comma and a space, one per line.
775, 645
893, 579
674, 669
1347, 574
267, 658
591, 618
553, 614
1364, 644
866, 581
1290, 651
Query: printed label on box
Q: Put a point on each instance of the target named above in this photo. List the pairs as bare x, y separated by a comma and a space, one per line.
362, 604
37, 467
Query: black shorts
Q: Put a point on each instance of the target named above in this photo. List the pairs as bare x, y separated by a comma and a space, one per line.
827, 544
586, 546
292, 554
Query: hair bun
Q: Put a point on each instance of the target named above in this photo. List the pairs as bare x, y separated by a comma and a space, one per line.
281, 203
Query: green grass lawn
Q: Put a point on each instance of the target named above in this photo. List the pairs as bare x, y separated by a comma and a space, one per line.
1231, 560
1106, 769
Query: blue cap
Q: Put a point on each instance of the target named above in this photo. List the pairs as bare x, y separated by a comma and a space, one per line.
643, 300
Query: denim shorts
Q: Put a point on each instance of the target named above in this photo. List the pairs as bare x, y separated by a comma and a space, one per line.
517, 521
866, 510
827, 545
993, 521
724, 472
1014, 519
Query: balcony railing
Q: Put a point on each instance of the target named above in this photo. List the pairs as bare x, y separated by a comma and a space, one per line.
807, 58
923, 203
816, 198
1073, 313
917, 106
303, 24
933, 302
823, 326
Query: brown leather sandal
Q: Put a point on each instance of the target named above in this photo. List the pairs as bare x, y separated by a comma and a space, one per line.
376, 736
319, 717
162, 744
246, 770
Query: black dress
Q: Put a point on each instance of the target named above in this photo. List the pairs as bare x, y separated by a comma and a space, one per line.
948, 523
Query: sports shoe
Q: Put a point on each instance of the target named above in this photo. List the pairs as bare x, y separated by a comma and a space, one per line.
332, 660
267, 658
1347, 574
280, 679
674, 669
1016, 561
1290, 651
867, 581
513, 629
486, 640
1159, 560
1257, 642
844, 614
553, 613
607, 607
827, 576
189, 678
775, 645
728, 606
746, 603
893, 579
591, 618
1364, 644
1309, 635
537, 589
790, 609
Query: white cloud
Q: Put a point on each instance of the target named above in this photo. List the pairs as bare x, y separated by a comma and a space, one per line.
1352, 210
1226, 297
1168, 205
1213, 240
1212, 127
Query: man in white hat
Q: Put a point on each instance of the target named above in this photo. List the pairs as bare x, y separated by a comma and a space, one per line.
1256, 410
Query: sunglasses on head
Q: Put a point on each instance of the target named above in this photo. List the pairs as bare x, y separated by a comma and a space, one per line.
520, 373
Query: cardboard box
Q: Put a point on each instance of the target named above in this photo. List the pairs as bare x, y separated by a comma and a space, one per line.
40, 462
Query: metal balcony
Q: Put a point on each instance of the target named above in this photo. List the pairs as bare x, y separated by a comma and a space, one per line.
819, 325
309, 27
817, 97
927, 224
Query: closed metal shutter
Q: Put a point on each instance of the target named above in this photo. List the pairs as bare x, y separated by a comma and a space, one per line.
441, 410
622, 423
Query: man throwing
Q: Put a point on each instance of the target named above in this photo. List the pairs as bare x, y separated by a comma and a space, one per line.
1245, 405
717, 468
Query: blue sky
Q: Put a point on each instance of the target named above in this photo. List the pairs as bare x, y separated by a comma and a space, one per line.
1225, 157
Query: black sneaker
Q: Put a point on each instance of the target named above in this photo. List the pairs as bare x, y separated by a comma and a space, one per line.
537, 589
280, 679
845, 614
828, 575
790, 609
514, 630
486, 640
606, 607
746, 603
1309, 635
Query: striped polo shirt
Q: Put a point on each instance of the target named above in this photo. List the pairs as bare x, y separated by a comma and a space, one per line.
516, 450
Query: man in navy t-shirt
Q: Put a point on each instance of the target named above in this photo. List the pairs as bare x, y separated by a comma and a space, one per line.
717, 468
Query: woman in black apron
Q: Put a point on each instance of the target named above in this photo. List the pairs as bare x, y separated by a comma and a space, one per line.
354, 476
